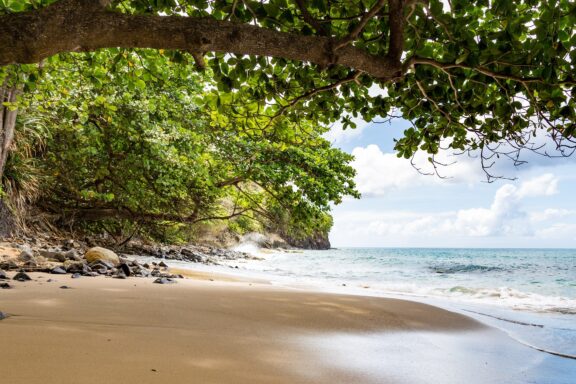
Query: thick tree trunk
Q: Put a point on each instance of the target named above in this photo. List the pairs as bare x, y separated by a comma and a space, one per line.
7, 123
7, 126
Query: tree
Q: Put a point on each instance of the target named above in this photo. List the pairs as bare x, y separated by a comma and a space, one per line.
130, 145
469, 76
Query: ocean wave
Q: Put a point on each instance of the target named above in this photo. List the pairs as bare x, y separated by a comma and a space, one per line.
510, 297
464, 268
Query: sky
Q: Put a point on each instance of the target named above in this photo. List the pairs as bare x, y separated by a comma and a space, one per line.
400, 207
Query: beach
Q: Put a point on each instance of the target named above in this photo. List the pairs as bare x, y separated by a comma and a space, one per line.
104, 330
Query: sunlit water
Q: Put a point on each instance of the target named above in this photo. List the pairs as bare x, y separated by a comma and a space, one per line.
530, 293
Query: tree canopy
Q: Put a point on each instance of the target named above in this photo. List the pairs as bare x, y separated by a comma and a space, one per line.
468, 75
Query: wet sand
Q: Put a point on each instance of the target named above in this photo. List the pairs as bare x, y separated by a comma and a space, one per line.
105, 330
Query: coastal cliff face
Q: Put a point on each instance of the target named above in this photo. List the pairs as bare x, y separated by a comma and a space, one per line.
318, 241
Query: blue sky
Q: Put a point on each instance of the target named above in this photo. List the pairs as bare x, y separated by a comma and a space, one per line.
403, 208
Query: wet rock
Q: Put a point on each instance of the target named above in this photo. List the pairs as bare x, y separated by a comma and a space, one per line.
58, 271
101, 254
5, 286
164, 280
21, 276
125, 269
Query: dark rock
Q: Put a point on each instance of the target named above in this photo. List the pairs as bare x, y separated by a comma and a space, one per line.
49, 280
146, 265
58, 271
76, 275
164, 280
125, 269
9, 265
3, 275
5, 286
3, 315
64, 287
162, 264
78, 268
21, 276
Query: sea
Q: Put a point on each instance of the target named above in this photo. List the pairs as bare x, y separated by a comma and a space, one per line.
528, 293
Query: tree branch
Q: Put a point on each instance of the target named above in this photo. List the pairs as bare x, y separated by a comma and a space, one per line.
365, 19
83, 25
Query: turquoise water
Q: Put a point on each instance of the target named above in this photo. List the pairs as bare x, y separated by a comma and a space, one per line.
529, 293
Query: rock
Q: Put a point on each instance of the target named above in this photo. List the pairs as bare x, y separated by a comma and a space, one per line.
9, 265
58, 271
21, 276
69, 244
3, 315
125, 269
64, 287
5, 286
3, 275
26, 256
164, 280
76, 275
91, 274
162, 264
120, 275
101, 254
76, 267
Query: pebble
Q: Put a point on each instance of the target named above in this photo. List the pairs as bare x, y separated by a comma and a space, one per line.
76, 275
5, 286
164, 280
3, 315
65, 287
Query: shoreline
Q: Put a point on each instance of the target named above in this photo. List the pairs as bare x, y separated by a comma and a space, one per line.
242, 331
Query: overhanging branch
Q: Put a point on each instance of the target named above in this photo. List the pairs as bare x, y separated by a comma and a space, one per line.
83, 25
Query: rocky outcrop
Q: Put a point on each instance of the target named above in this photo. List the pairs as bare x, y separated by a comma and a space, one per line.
316, 241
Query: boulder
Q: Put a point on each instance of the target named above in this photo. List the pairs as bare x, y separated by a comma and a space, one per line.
101, 254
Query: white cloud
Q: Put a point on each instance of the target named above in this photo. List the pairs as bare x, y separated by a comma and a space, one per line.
545, 185
378, 172
551, 214
504, 217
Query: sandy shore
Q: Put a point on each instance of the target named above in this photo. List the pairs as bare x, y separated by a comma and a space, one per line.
105, 330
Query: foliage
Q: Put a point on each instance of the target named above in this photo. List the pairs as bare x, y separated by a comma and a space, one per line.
131, 147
